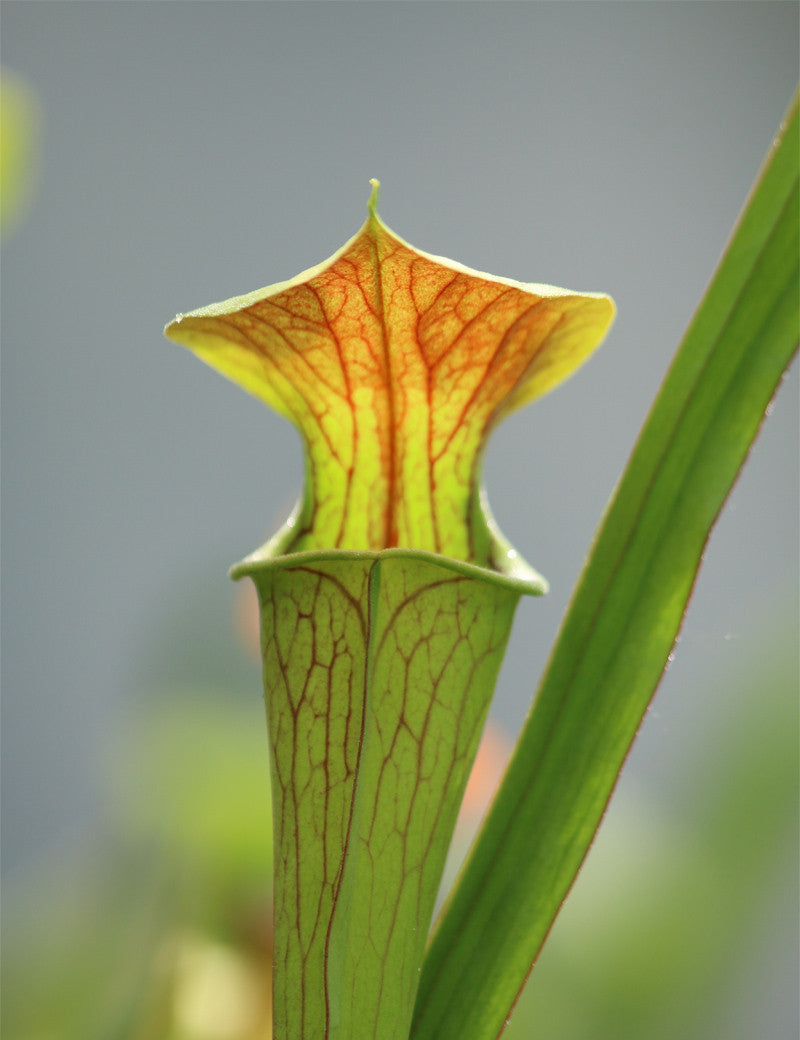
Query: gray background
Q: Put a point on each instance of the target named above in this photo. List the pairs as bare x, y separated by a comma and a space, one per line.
194, 151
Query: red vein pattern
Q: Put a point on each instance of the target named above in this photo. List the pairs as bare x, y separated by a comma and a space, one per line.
378, 675
395, 365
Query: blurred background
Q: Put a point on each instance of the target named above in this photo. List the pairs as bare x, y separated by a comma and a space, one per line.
167, 155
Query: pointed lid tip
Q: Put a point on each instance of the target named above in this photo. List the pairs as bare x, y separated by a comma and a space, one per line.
372, 205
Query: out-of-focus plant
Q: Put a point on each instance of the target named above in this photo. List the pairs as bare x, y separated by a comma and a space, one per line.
387, 598
19, 130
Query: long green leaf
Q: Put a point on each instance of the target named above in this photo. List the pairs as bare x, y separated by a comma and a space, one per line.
623, 619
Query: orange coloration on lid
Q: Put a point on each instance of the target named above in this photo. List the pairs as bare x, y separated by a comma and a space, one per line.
395, 365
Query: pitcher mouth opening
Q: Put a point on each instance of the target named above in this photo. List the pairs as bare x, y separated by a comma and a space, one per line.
516, 575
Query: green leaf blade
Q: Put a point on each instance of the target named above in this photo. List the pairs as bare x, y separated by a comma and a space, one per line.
623, 620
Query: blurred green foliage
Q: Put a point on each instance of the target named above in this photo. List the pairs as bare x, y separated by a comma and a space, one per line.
19, 134
161, 927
